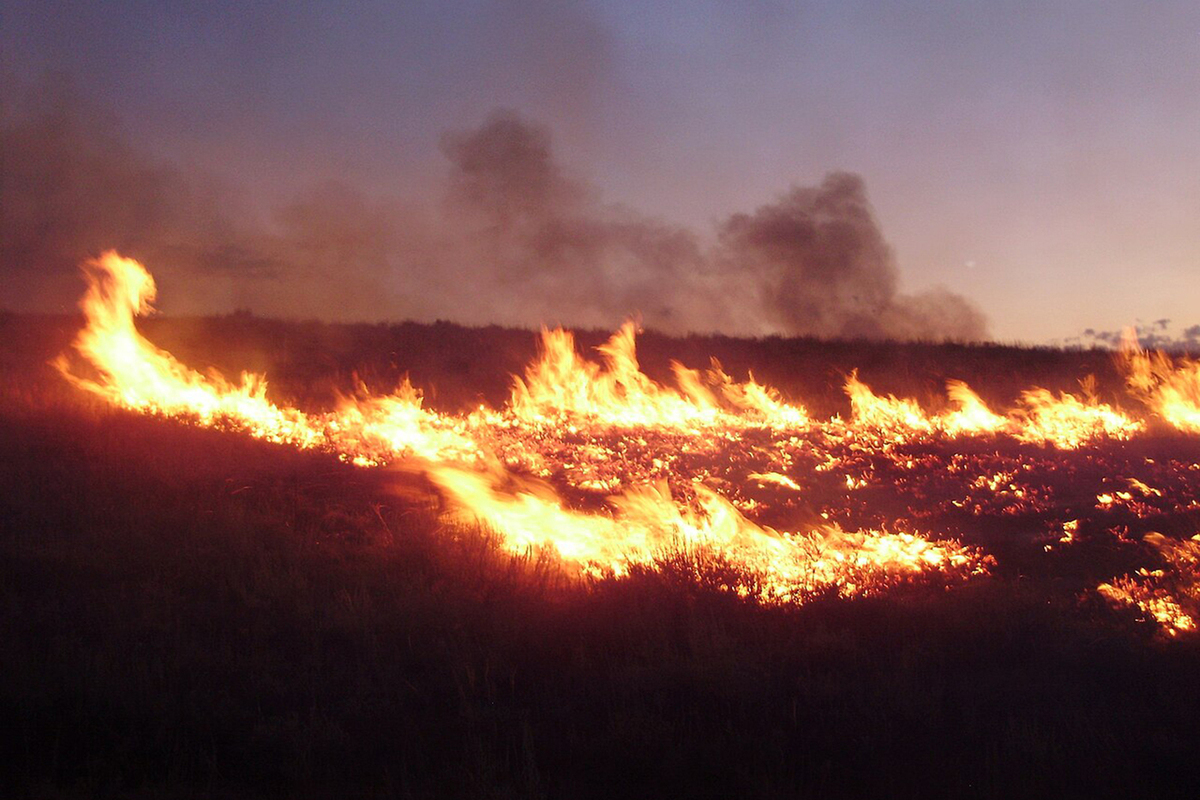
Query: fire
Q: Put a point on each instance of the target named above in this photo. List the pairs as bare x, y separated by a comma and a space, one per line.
1066, 421
134, 374
374, 429
890, 415
1169, 387
1069, 421
648, 523
1170, 596
972, 414
612, 471
561, 387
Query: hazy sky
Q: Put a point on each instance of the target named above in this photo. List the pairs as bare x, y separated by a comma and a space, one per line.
1042, 159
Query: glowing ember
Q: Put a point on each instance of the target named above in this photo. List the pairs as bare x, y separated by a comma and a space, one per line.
1169, 596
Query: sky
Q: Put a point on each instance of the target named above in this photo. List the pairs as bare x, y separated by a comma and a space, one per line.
1040, 160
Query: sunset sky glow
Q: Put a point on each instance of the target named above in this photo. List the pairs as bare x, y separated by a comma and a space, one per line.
1043, 160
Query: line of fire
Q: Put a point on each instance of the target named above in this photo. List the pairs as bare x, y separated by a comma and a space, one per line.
594, 465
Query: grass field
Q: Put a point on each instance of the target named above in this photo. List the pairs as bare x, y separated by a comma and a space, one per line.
191, 613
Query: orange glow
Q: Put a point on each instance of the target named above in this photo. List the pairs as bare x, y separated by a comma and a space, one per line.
648, 523
1169, 387
971, 415
609, 470
135, 374
1168, 596
1069, 421
890, 415
561, 387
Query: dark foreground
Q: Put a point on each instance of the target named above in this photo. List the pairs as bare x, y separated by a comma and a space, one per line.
186, 613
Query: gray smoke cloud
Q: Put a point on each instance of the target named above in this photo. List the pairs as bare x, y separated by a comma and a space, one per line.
548, 247
515, 239
821, 266
814, 262
73, 184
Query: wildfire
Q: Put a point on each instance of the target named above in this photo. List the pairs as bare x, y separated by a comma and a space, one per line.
1066, 421
562, 387
972, 414
648, 524
1169, 596
1169, 387
610, 470
135, 374
1070, 421
892, 416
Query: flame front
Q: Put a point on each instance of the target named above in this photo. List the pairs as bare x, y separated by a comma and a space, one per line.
135, 374
648, 524
1169, 387
561, 386
611, 470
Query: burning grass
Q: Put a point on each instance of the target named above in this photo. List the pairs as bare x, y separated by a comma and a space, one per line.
191, 613
196, 611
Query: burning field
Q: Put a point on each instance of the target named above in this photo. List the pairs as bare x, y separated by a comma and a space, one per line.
1019, 584
606, 469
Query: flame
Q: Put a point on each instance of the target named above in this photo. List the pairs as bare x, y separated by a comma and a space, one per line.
1068, 421
761, 402
902, 419
648, 524
632, 454
896, 418
972, 415
561, 386
134, 374
1065, 420
1171, 596
1169, 387
561, 391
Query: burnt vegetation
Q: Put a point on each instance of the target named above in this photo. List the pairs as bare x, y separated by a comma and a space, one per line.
190, 613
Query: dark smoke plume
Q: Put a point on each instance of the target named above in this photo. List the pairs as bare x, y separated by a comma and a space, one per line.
545, 244
821, 266
514, 240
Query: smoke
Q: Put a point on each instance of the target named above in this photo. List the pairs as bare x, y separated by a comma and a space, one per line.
547, 247
814, 262
513, 239
72, 184
821, 266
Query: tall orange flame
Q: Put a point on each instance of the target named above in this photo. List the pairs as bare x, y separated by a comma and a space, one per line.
561, 385
1169, 387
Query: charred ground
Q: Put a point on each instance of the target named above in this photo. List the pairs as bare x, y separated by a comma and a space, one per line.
192, 613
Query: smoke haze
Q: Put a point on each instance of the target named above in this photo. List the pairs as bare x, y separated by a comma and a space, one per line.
511, 237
